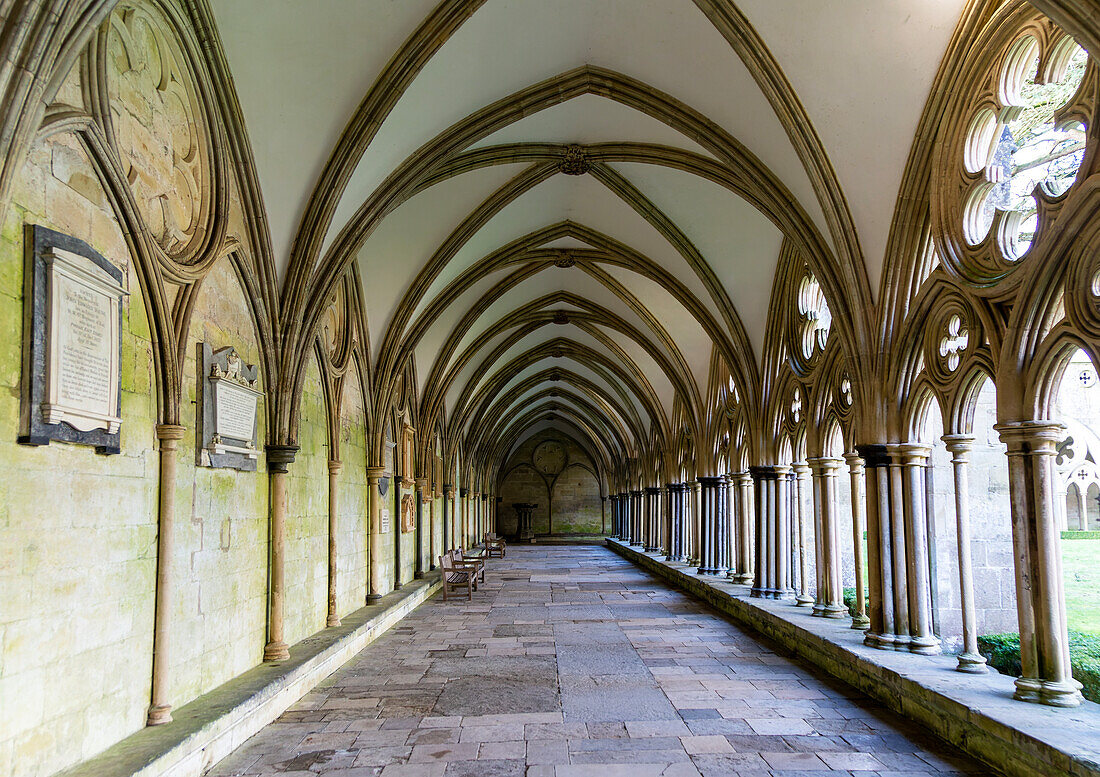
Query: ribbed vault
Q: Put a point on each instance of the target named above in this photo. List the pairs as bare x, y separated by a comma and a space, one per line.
569, 215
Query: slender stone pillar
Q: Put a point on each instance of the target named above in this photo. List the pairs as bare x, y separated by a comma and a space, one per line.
894, 523
422, 550
334, 468
1040, 592
830, 592
652, 512
879, 554
435, 532
708, 540
279, 458
801, 484
922, 639
855, 473
448, 520
959, 445
635, 517
722, 527
743, 487
773, 532
733, 534
374, 505
160, 710
696, 503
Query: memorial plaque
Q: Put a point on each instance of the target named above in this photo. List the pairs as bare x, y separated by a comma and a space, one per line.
230, 395
72, 343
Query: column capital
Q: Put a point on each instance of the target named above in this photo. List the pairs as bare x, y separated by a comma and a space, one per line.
639, 492
769, 472
280, 457
913, 453
335, 466
374, 474
800, 468
421, 484
874, 455
824, 465
854, 461
653, 490
463, 492
484, 497
958, 445
170, 431
1034, 436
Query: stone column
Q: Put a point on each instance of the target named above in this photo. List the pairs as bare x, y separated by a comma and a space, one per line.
743, 486
334, 468
435, 533
894, 523
160, 710
448, 519
722, 527
801, 482
879, 572
708, 492
279, 459
1040, 593
374, 500
733, 534
696, 504
830, 593
652, 511
855, 473
634, 500
959, 445
421, 485
773, 531
922, 639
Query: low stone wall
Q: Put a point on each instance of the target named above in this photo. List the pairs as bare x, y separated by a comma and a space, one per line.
217, 723
973, 712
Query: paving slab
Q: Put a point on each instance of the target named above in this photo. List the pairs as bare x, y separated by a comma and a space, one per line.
570, 663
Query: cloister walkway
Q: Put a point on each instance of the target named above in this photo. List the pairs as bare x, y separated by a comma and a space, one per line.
571, 662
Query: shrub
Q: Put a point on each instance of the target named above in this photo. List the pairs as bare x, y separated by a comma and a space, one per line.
1002, 651
1081, 535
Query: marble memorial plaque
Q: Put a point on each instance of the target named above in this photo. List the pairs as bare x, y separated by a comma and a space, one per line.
72, 343
230, 394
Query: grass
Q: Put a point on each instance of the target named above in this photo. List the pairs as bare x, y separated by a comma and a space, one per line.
1081, 566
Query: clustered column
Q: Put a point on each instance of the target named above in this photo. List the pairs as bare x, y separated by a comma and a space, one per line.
653, 519
860, 621
773, 532
334, 468
741, 486
1040, 599
713, 545
830, 593
901, 612
675, 522
636, 518
801, 476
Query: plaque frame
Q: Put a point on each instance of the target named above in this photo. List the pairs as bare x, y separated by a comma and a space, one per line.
47, 254
223, 371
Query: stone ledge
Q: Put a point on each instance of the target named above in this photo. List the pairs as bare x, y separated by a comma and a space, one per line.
973, 712
206, 730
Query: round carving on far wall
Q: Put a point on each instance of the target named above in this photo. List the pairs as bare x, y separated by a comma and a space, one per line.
550, 457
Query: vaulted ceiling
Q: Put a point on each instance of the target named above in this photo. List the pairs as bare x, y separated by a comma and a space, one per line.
561, 210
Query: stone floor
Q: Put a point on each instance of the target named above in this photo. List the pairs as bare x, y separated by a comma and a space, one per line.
571, 662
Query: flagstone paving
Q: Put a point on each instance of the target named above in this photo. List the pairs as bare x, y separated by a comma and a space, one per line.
571, 662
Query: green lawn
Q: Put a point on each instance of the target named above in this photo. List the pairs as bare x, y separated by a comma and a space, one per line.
1081, 561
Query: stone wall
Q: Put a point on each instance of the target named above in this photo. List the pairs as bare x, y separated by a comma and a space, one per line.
555, 473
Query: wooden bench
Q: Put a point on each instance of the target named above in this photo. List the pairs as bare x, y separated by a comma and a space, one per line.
456, 577
494, 545
470, 564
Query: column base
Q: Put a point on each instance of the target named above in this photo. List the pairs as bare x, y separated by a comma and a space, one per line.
745, 578
418, 575
861, 622
835, 611
1061, 694
757, 593
372, 598
972, 663
276, 651
783, 596
925, 646
879, 641
332, 621
159, 714
803, 600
